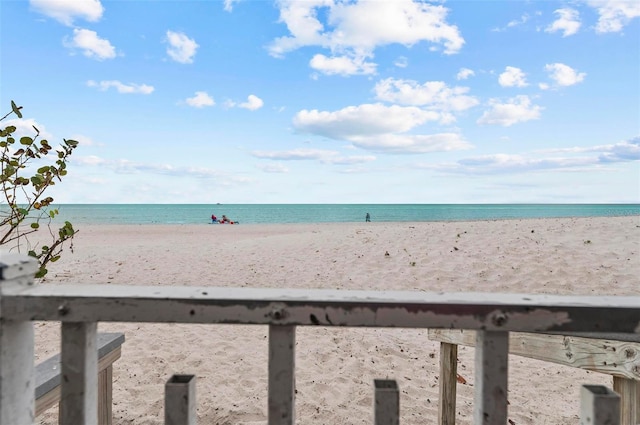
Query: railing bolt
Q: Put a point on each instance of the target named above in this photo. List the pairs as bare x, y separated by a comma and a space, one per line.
278, 313
499, 319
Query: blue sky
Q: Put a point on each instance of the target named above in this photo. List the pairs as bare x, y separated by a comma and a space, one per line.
326, 101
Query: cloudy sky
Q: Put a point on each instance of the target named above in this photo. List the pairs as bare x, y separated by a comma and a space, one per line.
331, 101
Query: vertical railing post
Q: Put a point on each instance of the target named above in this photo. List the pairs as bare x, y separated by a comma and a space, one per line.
282, 343
180, 400
79, 373
17, 380
599, 406
629, 399
491, 370
386, 402
448, 383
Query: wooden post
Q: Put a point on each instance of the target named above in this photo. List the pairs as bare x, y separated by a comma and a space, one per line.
180, 400
105, 396
629, 399
599, 406
79, 373
386, 405
491, 377
282, 343
17, 379
448, 382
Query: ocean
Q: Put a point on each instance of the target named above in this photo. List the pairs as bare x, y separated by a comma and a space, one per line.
327, 213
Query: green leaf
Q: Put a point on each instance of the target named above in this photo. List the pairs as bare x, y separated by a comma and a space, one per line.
16, 109
43, 170
41, 273
32, 254
35, 225
54, 259
71, 143
36, 180
52, 213
23, 211
63, 172
26, 140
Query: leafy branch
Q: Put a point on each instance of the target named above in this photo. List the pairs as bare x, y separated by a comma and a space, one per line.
27, 207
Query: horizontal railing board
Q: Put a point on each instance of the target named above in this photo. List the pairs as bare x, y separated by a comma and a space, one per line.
613, 357
488, 311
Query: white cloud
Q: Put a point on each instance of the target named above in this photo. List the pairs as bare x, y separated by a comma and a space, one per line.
376, 127
517, 109
563, 75
614, 14
434, 94
514, 23
465, 73
568, 22
24, 127
320, 155
85, 140
91, 45
273, 168
228, 5
253, 103
355, 29
181, 48
363, 120
401, 62
125, 166
625, 151
122, 88
65, 11
200, 100
342, 65
512, 77
412, 144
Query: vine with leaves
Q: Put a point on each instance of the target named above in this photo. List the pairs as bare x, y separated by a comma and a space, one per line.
27, 208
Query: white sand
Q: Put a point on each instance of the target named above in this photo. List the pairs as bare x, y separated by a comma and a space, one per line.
336, 366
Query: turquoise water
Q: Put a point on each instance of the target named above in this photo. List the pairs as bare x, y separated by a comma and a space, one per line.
328, 213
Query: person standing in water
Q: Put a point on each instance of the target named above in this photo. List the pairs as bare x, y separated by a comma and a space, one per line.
367, 218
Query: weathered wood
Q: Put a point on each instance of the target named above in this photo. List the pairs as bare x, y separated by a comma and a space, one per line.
490, 311
386, 404
180, 400
48, 378
599, 406
79, 369
105, 394
448, 383
629, 399
282, 343
17, 380
491, 378
603, 355
620, 359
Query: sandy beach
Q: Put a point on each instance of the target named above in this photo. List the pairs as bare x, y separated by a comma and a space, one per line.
336, 367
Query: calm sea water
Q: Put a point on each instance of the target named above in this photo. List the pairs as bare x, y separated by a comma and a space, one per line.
328, 213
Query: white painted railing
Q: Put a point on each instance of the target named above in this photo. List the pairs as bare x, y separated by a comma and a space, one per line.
81, 307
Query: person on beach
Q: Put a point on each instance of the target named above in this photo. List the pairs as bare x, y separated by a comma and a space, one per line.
214, 219
367, 218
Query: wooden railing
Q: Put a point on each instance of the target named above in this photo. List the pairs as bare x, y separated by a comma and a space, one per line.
81, 307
